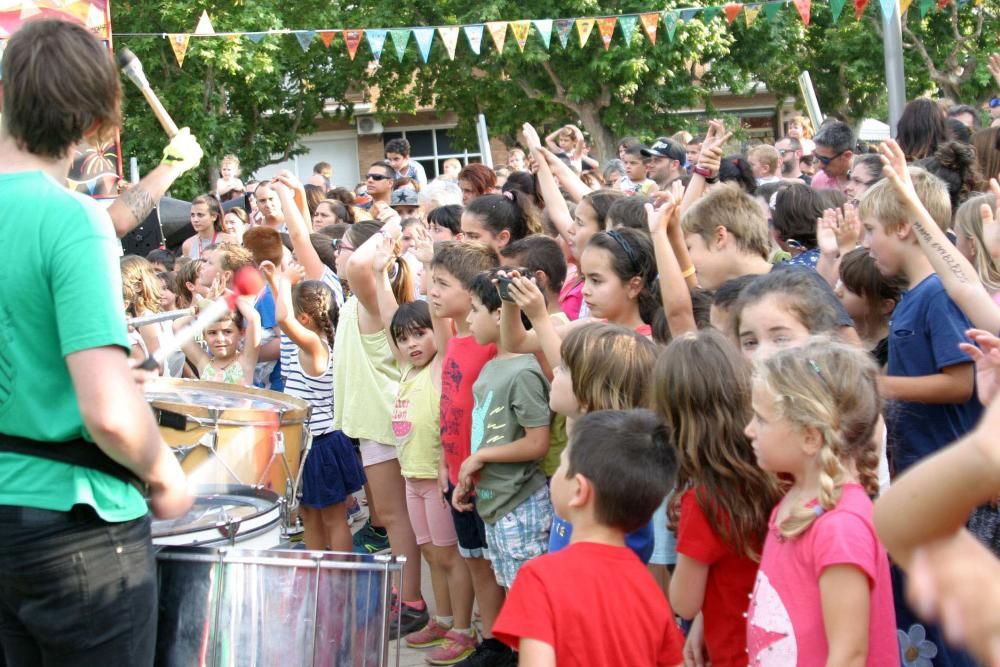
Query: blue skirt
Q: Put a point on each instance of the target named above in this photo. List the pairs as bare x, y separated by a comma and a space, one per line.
332, 471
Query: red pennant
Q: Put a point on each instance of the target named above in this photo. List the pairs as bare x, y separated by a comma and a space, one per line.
353, 39
732, 10
803, 6
859, 8
326, 36
607, 28
943, 3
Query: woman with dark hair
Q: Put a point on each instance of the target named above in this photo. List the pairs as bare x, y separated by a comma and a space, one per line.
330, 212
314, 195
987, 145
526, 182
498, 220
866, 171
921, 128
736, 168
476, 180
955, 164
796, 210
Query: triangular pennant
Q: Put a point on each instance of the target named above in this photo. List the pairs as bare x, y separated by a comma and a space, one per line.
709, 13
326, 36
771, 9
649, 21
943, 3
750, 13
732, 10
925, 6
836, 7
904, 5
424, 38
352, 38
859, 8
376, 42
583, 28
628, 24
232, 38
449, 35
29, 9
95, 17
498, 31
179, 44
670, 22
256, 37
803, 7
544, 28
474, 35
888, 9
687, 14
520, 30
563, 26
305, 38
606, 26
204, 25
400, 37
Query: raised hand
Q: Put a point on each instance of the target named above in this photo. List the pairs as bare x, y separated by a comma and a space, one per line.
994, 67
985, 352
294, 274
667, 208
525, 293
531, 138
422, 246
894, 169
827, 228
850, 228
269, 271
385, 252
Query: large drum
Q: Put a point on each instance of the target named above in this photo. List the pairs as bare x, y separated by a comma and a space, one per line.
225, 434
290, 608
226, 516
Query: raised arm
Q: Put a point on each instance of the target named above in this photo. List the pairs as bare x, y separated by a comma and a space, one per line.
555, 204
252, 333
580, 143
313, 348
957, 275
544, 336
673, 289
709, 160
383, 258
298, 229
568, 179
550, 140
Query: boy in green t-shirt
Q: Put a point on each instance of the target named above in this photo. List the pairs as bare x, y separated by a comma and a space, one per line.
510, 436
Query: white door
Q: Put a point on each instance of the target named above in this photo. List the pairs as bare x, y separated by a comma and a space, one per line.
340, 149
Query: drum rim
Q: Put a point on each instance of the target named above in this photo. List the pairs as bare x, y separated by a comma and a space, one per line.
291, 410
273, 507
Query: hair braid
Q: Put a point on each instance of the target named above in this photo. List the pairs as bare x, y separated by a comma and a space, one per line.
324, 322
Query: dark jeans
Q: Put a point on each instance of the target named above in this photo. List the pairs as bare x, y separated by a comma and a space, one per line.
76, 590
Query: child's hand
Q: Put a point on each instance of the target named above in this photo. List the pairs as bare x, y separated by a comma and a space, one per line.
994, 67
460, 497
245, 303
422, 246
826, 233
715, 140
985, 352
287, 179
531, 138
849, 232
385, 252
527, 296
667, 209
468, 473
991, 228
894, 169
294, 274
694, 645
270, 272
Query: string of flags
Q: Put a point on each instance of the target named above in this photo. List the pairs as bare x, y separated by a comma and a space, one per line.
646, 24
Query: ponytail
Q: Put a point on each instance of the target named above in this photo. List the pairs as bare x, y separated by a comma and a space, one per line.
512, 211
315, 299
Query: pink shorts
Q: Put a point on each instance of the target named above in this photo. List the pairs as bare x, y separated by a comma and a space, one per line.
430, 517
373, 453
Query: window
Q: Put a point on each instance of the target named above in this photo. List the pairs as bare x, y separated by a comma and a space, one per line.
432, 147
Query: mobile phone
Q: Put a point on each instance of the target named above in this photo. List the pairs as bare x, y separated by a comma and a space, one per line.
503, 287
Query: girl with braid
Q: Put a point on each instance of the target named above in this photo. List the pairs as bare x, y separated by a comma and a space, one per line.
823, 593
307, 314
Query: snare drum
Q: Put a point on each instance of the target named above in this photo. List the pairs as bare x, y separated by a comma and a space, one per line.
236, 515
226, 434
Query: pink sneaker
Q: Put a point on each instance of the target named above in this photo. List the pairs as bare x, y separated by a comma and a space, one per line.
432, 634
455, 648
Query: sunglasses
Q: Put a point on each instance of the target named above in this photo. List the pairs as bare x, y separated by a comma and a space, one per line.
378, 177
827, 160
339, 244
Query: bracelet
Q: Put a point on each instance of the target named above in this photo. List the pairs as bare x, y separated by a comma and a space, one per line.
708, 175
688, 272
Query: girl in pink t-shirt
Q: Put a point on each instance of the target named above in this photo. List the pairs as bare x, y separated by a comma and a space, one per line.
823, 593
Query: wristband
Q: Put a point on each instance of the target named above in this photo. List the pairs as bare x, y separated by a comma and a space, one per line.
708, 175
688, 272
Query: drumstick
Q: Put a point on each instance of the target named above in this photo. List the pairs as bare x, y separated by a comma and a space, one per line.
247, 281
160, 317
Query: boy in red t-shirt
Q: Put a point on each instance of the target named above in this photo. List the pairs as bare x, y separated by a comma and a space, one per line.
594, 603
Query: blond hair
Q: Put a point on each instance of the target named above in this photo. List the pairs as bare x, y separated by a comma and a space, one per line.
230, 159
233, 257
830, 387
140, 286
610, 366
768, 155
969, 223
729, 206
880, 202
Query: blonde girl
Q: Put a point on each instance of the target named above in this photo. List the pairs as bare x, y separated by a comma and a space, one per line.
971, 242
233, 343
722, 500
141, 294
823, 593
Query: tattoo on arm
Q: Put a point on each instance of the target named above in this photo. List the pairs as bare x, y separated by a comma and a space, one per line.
945, 253
138, 202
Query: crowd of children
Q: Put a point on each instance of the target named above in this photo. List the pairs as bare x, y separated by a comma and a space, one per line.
596, 408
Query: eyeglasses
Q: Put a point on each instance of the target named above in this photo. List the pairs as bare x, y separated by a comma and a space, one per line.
378, 177
339, 244
827, 160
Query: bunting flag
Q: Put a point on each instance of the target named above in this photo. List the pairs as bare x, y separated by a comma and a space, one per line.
732, 10
449, 35
424, 37
520, 30
606, 26
803, 7
771, 9
925, 6
903, 6
859, 8
326, 36
498, 31
943, 3
474, 34
400, 37
649, 22
305, 38
563, 27
352, 38
256, 37
204, 27
836, 7
750, 13
687, 15
544, 28
179, 44
709, 13
628, 24
376, 42
583, 28
232, 38
888, 9
670, 21
29, 9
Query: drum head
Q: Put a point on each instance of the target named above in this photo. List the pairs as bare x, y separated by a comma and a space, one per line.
215, 401
215, 515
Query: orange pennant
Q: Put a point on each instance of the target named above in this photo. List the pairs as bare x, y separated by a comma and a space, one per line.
179, 44
649, 22
326, 36
732, 10
903, 6
498, 31
353, 40
606, 26
803, 7
520, 30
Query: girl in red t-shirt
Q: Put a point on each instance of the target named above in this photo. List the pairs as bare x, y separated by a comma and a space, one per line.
722, 499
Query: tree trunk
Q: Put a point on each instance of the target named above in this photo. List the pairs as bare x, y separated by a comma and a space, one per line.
604, 143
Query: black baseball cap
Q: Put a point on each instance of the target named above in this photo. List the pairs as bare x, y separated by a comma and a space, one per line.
668, 148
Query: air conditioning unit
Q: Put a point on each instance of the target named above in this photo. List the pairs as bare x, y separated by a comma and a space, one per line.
368, 124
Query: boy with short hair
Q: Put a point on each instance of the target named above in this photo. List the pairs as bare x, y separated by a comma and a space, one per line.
265, 245
764, 161
636, 180
594, 603
397, 153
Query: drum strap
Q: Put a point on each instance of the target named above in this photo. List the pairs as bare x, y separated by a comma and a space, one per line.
77, 452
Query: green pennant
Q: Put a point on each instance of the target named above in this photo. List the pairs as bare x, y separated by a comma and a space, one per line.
925, 6
400, 37
837, 6
709, 13
627, 24
771, 9
670, 22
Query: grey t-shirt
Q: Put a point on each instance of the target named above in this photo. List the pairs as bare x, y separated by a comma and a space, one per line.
510, 395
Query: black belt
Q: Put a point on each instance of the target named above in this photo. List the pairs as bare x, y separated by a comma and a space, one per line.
76, 452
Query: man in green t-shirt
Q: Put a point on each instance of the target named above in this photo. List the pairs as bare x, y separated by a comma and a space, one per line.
77, 570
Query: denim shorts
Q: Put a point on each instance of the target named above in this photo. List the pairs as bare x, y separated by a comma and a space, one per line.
469, 528
520, 535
